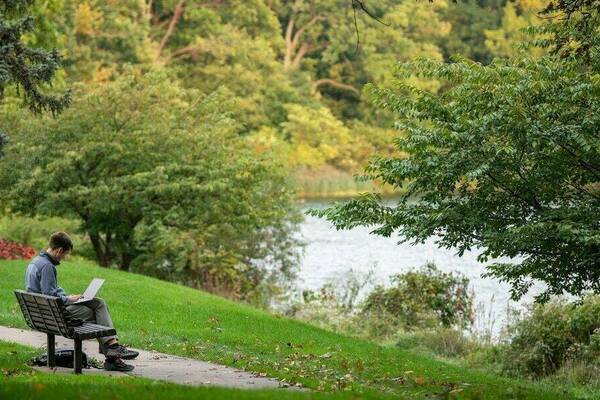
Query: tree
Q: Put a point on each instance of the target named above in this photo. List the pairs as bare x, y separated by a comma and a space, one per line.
235, 44
26, 68
178, 25
101, 37
573, 29
517, 17
304, 25
319, 39
241, 47
505, 161
22, 66
469, 20
318, 134
142, 162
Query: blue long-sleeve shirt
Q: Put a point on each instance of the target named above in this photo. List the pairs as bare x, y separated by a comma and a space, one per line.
41, 277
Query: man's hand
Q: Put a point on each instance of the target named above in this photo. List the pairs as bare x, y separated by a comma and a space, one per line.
74, 297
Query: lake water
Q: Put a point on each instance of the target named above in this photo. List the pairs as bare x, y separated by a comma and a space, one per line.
331, 255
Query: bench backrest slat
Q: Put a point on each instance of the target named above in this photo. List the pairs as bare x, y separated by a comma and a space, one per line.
43, 313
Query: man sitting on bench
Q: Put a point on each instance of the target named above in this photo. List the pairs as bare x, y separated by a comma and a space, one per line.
41, 277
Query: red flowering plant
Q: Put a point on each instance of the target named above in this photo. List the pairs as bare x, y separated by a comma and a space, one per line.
10, 250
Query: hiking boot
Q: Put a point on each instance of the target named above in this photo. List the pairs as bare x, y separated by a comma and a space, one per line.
116, 364
117, 350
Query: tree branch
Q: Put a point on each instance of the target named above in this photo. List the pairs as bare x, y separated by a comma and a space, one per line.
179, 9
305, 48
532, 203
292, 57
300, 31
359, 4
288, 43
191, 51
334, 83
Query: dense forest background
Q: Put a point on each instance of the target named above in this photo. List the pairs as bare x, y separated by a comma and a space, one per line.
192, 126
292, 68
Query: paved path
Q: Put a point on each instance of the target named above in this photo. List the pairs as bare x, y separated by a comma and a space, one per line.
150, 364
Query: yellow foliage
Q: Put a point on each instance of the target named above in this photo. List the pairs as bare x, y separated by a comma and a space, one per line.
268, 139
305, 155
518, 15
316, 135
103, 74
87, 19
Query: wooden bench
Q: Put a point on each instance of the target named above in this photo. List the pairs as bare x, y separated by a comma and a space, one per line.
48, 314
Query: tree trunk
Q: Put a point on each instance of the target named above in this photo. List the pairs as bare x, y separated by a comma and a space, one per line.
102, 254
126, 247
294, 50
177, 13
126, 258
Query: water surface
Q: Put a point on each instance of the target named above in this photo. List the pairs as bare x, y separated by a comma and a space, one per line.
332, 254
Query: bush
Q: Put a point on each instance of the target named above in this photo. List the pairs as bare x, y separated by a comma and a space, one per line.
426, 298
425, 307
14, 251
35, 232
333, 306
381, 326
559, 336
578, 373
446, 342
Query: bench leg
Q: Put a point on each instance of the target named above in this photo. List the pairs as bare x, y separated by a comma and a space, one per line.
51, 350
77, 357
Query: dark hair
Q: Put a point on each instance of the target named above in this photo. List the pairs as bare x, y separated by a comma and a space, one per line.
60, 240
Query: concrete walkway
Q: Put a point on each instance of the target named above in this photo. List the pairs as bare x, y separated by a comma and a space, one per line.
150, 364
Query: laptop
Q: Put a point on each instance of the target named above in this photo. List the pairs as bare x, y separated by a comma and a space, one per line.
91, 291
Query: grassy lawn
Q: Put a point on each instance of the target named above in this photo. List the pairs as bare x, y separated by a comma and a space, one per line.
17, 381
162, 316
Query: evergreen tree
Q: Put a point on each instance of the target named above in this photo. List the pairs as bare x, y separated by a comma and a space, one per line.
26, 68
29, 69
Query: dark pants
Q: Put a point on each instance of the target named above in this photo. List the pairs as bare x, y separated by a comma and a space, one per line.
95, 311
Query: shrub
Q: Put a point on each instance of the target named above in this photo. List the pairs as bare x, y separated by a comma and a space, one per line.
557, 336
423, 306
424, 298
445, 342
10, 250
380, 326
333, 306
35, 231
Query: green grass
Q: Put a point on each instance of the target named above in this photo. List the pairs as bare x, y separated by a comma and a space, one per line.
162, 316
17, 381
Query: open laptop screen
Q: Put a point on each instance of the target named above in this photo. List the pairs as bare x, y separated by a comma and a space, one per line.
91, 290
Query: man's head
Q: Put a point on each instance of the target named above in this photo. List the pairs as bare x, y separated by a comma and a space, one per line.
60, 245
